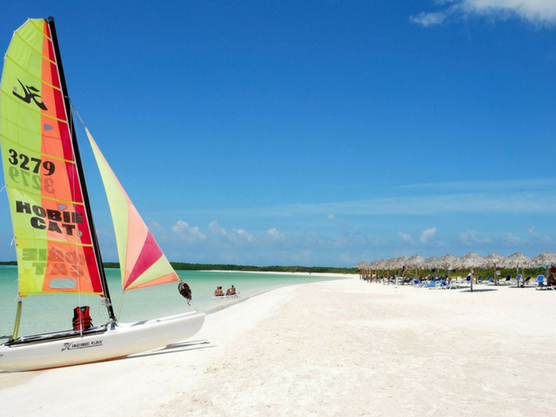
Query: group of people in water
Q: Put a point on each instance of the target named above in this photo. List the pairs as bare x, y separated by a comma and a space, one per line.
220, 293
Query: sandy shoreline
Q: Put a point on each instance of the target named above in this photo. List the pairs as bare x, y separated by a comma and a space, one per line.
329, 348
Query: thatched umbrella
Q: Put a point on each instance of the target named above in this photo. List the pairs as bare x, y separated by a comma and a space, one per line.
471, 260
517, 260
398, 264
431, 263
373, 266
447, 261
545, 259
415, 261
382, 265
361, 266
493, 260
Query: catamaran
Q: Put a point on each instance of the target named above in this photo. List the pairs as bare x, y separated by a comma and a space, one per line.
56, 242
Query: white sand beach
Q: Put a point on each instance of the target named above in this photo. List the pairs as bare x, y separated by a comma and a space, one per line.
329, 348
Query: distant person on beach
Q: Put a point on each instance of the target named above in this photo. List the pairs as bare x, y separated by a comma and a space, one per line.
218, 292
551, 280
231, 291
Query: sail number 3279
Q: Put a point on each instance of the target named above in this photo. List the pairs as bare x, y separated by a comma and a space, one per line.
26, 163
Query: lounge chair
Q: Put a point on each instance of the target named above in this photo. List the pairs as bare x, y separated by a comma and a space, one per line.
462, 283
429, 285
542, 286
489, 280
446, 285
508, 280
527, 281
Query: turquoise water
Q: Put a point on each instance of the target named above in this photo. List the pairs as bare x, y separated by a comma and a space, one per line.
52, 312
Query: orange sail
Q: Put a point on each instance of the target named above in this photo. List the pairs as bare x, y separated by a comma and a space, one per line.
53, 232
142, 262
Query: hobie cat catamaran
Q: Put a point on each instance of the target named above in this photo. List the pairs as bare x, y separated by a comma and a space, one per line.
56, 243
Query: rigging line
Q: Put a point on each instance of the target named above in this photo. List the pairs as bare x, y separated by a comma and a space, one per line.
76, 242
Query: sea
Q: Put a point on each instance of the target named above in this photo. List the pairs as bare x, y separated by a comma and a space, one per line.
43, 313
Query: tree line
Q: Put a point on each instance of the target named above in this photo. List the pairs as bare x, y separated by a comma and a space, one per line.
182, 266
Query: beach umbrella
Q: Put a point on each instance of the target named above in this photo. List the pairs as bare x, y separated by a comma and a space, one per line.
360, 265
416, 261
544, 259
447, 261
398, 263
470, 261
431, 263
517, 260
492, 261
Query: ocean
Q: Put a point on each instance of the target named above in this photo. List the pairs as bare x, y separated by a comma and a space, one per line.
52, 312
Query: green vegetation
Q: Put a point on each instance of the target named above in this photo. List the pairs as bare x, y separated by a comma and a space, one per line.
273, 268
220, 267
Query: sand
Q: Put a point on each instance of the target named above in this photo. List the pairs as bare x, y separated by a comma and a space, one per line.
329, 348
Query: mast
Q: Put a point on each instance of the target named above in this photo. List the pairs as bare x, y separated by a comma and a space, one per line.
79, 164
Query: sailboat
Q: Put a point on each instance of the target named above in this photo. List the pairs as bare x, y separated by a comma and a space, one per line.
56, 241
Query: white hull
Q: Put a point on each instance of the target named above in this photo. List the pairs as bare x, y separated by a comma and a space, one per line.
120, 341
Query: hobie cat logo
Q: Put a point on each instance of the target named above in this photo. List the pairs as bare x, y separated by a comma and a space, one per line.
82, 345
30, 94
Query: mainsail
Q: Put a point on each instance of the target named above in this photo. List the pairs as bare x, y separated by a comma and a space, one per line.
55, 243
142, 262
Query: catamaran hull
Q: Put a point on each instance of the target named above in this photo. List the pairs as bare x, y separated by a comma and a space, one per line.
123, 340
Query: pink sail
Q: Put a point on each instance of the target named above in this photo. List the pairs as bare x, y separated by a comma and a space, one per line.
142, 262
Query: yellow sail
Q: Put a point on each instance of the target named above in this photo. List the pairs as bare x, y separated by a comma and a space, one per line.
142, 262
52, 230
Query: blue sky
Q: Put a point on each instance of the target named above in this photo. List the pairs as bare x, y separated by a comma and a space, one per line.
316, 132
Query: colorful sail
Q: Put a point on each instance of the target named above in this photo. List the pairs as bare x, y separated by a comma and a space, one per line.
52, 230
142, 262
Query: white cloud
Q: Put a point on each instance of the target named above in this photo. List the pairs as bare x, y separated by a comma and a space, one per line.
428, 19
215, 228
186, 232
275, 234
332, 217
428, 234
469, 237
538, 12
542, 238
512, 239
241, 233
404, 236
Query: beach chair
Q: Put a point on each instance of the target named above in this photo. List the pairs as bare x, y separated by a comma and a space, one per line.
489, 280
508, 280
447, 285
429, 285
540, 283
435, 285
527, 281
462, 283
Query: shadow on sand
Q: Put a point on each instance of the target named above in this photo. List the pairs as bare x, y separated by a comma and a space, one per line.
174, 348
